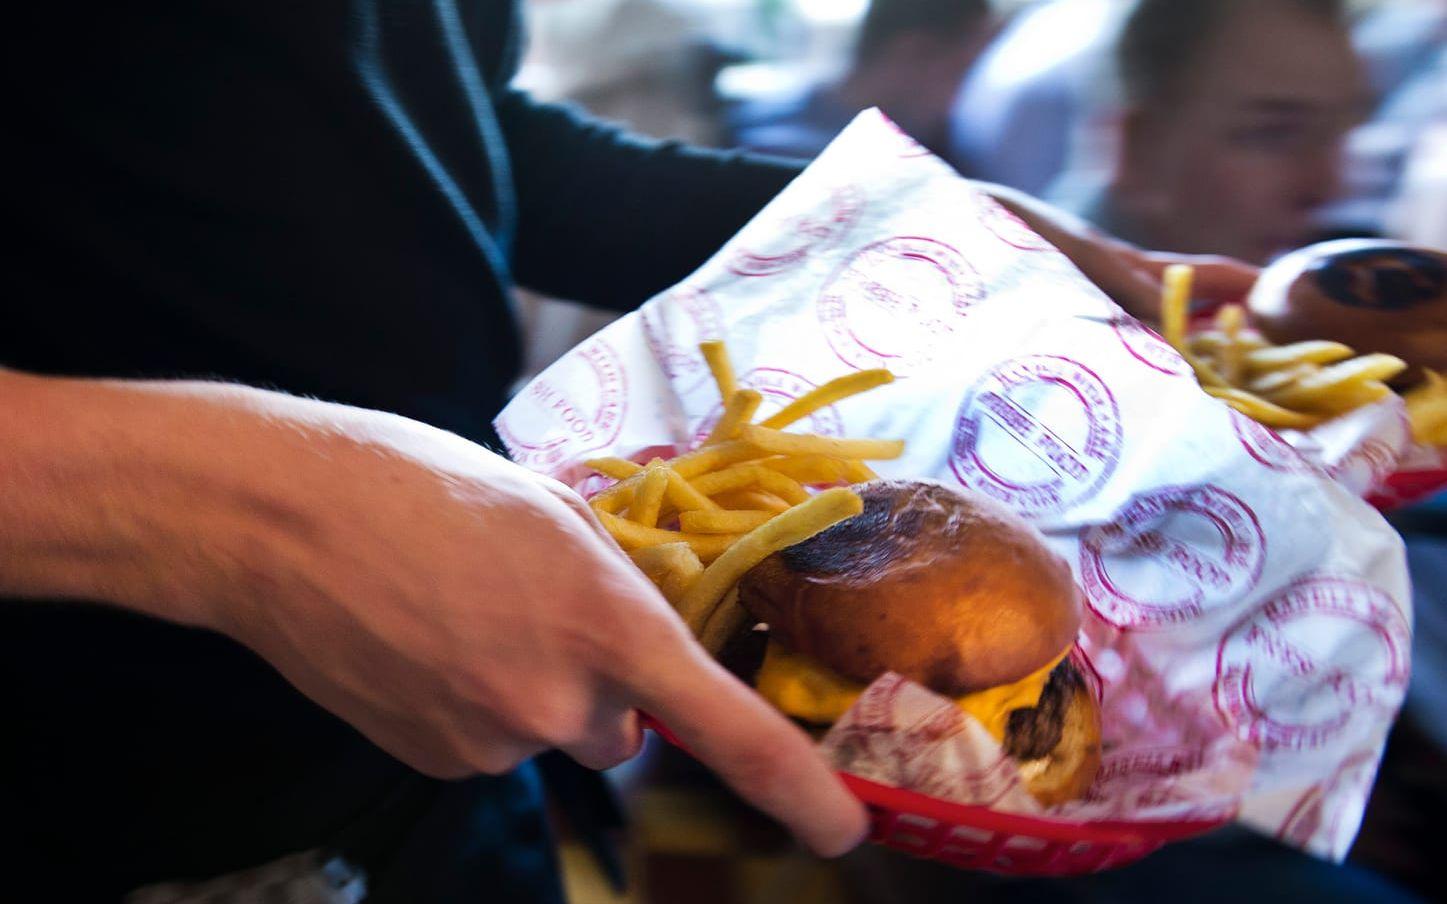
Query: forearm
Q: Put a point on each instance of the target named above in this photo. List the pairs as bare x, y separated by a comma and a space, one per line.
610, 219
132, 494
1117, 267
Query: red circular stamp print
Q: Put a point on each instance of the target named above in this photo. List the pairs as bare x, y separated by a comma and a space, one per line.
1320, 655
1266, 446
892, 302
578, 405
1149, 762
1156, 778
1365, 466
1147, 347
802, 235
1009, 228
1171, 556
779, 387
674, 326
1040, 434
1323, 809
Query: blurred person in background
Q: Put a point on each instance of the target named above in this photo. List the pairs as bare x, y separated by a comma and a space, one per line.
642, 64
908, 60
1235, 115
1036, 95
1403, 44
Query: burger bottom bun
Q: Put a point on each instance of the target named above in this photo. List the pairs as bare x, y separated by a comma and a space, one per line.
1068, 771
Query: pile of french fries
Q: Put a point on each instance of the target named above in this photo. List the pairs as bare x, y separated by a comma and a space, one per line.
696, 523
1296, 386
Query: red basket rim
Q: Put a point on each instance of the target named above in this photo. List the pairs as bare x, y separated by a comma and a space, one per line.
1049, 828
901, 800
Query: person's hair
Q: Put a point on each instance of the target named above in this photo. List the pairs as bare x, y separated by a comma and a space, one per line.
886, 19
1162, 40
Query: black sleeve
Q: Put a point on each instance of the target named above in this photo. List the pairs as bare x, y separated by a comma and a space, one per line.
609, 219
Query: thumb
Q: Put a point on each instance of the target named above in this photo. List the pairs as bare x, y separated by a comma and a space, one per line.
1218, 279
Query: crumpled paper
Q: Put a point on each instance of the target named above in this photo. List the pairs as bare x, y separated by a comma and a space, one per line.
1248, 618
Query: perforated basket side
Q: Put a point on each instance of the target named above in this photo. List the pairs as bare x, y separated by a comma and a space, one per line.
972, 837
980, 838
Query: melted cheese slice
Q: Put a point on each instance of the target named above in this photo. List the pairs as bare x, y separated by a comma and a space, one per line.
803, 688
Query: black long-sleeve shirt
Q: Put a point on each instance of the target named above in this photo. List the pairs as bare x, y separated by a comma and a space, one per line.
332, 198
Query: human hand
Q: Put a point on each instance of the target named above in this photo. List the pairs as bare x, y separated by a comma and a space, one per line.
465, 613
1130, 276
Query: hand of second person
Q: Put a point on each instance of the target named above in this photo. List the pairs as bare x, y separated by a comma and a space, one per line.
1129, 275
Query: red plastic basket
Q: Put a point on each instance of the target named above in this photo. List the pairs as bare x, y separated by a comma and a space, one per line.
983, 839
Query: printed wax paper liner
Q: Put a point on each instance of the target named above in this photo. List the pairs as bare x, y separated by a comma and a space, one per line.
1248, 617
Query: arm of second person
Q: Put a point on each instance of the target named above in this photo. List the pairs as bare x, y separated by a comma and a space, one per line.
610, 219
1129, 275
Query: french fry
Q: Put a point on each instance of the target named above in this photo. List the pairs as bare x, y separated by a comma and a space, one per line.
727, 618
1318, 388
717, 356
1277, 380
1428, 423
649, 498
672, 566
619, 496
723, 522
1231, 320
616, 498
739, 411
751, 500
1427, 410
833, 391
1346, 398
684, 497
779, 443
1317, 351
786, 488
1261, 410
614, 467
1176, 303
1210, 342
856, 471
794, 526
808, 469
738, 477
711, 458
1206, 373
742, 476
632, 536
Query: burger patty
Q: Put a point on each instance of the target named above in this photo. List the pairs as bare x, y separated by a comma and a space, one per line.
1033, 733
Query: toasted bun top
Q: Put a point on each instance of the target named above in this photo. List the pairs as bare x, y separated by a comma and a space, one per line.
1375, 296
948, 589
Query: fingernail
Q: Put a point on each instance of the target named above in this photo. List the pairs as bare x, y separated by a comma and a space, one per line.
839, 841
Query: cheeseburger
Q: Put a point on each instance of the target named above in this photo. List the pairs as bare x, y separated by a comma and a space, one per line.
949, 590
